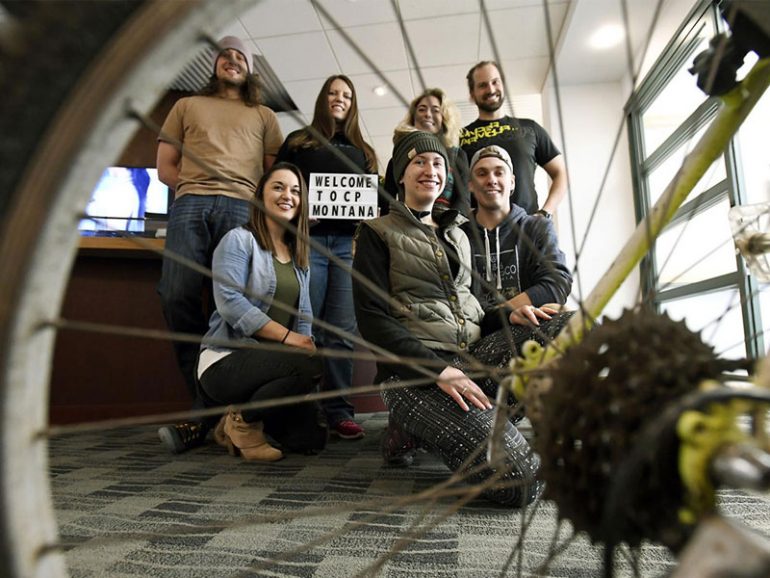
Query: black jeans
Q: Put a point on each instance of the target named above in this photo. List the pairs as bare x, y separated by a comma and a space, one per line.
252, 375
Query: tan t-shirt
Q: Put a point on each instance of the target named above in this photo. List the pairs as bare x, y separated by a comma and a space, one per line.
229, 137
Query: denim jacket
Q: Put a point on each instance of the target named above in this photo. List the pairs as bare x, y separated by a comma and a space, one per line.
239, 262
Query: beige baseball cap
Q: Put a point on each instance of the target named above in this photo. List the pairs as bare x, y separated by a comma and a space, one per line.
492, 151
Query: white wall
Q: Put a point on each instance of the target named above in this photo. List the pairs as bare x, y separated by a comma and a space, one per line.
592, 115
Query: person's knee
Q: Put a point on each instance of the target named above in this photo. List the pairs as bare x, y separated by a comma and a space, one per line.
316, 366
311, 374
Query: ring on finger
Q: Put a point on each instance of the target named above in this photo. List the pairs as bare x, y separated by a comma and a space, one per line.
463, 390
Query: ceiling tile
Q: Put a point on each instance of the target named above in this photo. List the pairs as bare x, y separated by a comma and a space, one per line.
365, 84
445, 40
414, 9
450, 79
357, 12
369, 40
304, 94
579, 63
493, 5
526, 75
382, 121
269, 18
521, 33
299, 56
235, 28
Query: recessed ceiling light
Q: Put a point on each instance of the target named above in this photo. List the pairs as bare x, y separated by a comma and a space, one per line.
607, 36
380, 90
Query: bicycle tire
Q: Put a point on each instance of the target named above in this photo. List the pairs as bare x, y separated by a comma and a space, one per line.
117, 59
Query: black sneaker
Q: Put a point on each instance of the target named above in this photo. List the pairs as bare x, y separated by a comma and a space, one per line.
183, 436
398, 447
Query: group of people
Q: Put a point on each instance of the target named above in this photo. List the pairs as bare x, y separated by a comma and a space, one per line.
459, 268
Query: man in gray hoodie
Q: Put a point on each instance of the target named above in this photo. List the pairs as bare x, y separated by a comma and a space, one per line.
517, 257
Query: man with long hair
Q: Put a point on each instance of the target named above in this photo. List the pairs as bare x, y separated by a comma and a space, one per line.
212, 150
527, 143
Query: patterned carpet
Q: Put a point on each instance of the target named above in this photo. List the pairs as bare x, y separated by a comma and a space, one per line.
127, 508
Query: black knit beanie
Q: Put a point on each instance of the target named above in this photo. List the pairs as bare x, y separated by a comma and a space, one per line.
412, 144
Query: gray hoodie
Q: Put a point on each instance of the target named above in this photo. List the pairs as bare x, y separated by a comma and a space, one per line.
520, 255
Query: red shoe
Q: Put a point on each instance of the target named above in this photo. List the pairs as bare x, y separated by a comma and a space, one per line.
347, 429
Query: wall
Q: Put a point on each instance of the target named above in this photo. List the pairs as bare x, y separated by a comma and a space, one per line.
592, 116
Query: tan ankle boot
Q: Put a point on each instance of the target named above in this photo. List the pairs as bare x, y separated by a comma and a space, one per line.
249, 439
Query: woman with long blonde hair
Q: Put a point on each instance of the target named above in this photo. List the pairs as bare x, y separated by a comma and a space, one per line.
431, 111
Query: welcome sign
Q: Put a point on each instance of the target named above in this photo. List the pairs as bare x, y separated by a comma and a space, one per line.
341, 196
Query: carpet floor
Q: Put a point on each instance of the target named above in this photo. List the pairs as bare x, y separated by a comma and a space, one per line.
126, 508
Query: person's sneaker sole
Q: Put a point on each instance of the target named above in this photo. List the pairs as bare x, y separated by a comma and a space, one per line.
170, 439
401, 461
357, 436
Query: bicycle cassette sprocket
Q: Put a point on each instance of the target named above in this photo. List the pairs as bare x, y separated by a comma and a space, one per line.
605, 390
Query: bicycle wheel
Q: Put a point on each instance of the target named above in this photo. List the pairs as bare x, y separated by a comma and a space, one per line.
114, 60
40, 240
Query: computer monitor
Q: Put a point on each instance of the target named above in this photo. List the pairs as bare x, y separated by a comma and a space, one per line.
125, 201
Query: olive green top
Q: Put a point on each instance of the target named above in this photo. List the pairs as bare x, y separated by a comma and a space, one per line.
286, 292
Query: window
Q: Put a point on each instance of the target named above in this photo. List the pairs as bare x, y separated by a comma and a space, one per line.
693, 272
717, 314
680, 96
753, 150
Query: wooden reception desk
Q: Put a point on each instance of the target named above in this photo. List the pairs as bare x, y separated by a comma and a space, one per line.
98, 376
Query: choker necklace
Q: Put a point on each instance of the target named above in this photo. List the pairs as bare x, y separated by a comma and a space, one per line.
419, 214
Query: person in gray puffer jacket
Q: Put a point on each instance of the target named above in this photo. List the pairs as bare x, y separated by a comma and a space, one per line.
412, 298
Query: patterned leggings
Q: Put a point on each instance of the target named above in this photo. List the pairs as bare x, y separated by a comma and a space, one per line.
445, 429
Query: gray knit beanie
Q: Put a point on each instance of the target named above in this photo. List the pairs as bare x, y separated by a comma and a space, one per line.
236, 44
412, 144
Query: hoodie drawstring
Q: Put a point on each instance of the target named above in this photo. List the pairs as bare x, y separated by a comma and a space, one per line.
499, 265
488, 268
488, 254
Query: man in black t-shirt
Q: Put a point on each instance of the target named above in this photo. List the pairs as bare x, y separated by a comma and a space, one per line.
527, 143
